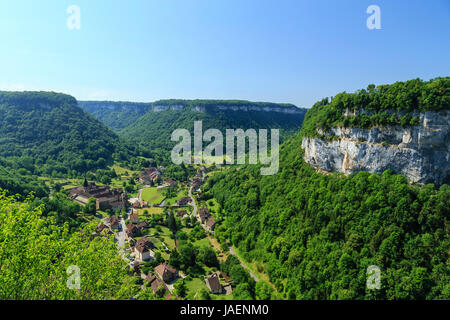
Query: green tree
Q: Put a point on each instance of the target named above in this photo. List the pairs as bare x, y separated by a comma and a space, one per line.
171, 223
35, 255
180, 288
263, 291
91, 207
207, 256
243, 292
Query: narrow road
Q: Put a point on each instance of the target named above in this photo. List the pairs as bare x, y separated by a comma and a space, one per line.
242, 264
194, 212
121, 235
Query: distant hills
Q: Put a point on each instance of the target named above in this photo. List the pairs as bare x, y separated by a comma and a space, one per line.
116, 115
120, 114
150, 125
49, 133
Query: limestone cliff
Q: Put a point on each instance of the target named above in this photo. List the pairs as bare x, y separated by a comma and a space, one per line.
419, 152
229, 107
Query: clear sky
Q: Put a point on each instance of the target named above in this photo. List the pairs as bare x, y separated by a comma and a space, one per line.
279, 50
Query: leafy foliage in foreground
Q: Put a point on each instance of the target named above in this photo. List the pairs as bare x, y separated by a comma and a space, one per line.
35, 254
317, 234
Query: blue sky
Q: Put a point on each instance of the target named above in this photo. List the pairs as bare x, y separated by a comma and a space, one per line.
280, 51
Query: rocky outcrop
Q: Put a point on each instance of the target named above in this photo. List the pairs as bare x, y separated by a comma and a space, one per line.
95, 107
286, 110
157, 108
421, 152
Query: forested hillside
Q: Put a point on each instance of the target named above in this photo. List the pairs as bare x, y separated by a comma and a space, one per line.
390, 104
19, 182
154, 129
116, 115
317, 234
48, 133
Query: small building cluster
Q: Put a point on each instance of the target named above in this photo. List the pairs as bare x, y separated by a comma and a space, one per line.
115, 199
182, 214
163, 274
149, 176
113, 222
143, 249
213, 284
184, 201
206, 219
140, 204
196, 184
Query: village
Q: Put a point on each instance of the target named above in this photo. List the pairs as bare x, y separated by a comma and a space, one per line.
155, 230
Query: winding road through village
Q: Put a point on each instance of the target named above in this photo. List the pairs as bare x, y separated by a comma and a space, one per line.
194, 212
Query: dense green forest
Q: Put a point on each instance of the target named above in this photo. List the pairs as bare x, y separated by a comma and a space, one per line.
317, 234
153, 130
115, 114
313, 234
118, 115
47, 133
393, 104
21, 183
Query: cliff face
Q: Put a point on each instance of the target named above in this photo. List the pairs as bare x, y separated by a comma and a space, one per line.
96, 107
421, 152
286, 110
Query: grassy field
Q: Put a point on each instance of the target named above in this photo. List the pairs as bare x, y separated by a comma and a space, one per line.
203, 243
181, 193
165, 236
252, 266
153, 195
122, 171
150, 211
71, 183
211, 159
221, 297
186, 230
195, 285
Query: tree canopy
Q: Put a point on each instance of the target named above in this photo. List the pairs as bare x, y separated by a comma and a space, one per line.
395, 104
37, 258
47, 132
317, 234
